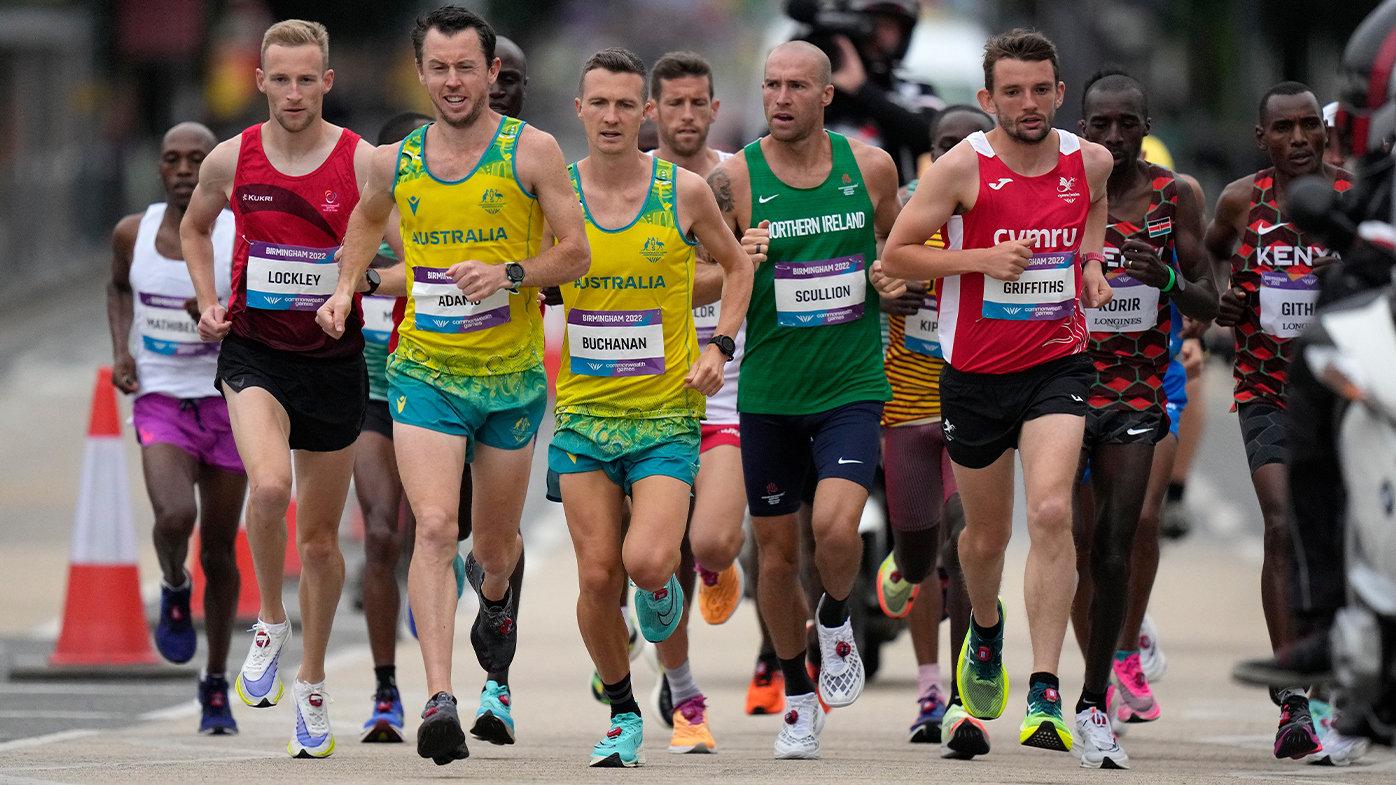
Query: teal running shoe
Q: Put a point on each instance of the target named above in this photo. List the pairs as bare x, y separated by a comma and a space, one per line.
621, 746
658, 613
493, 723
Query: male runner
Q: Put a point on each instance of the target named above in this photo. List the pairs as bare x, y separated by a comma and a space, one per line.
920, 484
1271, 300
1026, 212
294, 394
1155, 261
181, 422
466, 381
813, 204
508, 90
631, 390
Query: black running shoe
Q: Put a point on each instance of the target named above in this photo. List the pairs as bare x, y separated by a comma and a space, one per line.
663, 701
1296, 737
494, 635
440, 737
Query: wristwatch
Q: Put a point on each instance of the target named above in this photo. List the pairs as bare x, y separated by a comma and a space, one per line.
515, 273
726, 345
374, 280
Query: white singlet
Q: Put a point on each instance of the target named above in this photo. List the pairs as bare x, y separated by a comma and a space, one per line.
722, 408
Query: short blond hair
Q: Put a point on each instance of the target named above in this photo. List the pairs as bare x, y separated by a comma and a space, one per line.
298, 32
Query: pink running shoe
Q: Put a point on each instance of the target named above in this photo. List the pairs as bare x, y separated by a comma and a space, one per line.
1135, 700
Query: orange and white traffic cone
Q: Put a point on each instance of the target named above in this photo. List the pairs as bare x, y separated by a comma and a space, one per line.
103, 618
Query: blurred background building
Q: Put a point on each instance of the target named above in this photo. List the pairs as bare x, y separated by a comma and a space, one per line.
88, 86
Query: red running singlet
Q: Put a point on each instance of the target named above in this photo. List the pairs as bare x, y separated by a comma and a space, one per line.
993, 326
288, 229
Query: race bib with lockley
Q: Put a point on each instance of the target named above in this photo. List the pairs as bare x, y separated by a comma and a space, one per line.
811, 294
166, 328
290, 277
378, 317
922, 332
1045, 290
1132, 309
1286, 304
615, 343
705, 321
441, 307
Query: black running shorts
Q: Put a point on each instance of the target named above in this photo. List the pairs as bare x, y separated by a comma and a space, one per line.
325, 399
983, 413
378, 419
778, 450
1263, 431
1125, 426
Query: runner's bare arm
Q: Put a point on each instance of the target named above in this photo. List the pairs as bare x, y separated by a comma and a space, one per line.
1199, 300
367, 226
210, 196
950, 186
1222, 236
696, 201
707, 278
119, 306
730, 182
1095, 291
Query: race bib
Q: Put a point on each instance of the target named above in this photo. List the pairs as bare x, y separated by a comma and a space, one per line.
1046, 290
811, 294
615, 343
440, 307
705, 321
1286, 304
923, 328
166, 328
290, 277
1133, 309
378, 317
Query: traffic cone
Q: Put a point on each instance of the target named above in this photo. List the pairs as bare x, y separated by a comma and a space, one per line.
103, 619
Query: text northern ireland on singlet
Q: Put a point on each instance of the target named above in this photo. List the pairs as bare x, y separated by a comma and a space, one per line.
834, 222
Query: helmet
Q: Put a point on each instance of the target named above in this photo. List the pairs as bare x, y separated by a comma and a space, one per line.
1367, 109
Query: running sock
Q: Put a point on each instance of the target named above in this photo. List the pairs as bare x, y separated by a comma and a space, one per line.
1175, 491
1045, 679
797, 680
987, 632
928, 678
621, 698
832, 613
681, 684
275, 628
386, 675
1121, 656
184, 584
505, 602
1090, 700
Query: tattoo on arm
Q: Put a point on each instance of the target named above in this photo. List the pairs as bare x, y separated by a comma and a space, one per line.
722, 189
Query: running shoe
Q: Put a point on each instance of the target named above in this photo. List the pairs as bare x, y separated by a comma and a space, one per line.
598, 689
926, 729
258, 683
384, 726
1117, 713
657, 613
314, 737
458, 567
621, 745
719, 593
766, 693
1094, 743
663, 700
1296, 738
175, 637
961, 736
840, 667
1176, 521
494, 635
1044, 727
217, 717
894, 594
1151, 658
493, 722
440, 737
1136, 701
813, 671
690, 722
980, 675
1338, 750
799, 734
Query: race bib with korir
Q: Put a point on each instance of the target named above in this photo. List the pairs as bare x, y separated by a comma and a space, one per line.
1133, 309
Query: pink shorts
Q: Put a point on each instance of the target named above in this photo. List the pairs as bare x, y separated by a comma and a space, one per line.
199, 426
714, 435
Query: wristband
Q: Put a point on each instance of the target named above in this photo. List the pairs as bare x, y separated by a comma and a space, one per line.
1172, 280
1093, 257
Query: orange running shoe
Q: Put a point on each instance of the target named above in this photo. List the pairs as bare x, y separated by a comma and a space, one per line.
766, 693
691, 732
719, 593
813, 671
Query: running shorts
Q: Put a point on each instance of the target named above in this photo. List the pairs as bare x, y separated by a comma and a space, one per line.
627, 450
983, 413
324, 398
378, 420
714, 435
1263, 431
918, 473
498, 410
198, 426
779, 449
1125, 426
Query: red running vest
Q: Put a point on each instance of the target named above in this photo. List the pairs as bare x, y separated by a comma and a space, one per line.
287, 231
992, 326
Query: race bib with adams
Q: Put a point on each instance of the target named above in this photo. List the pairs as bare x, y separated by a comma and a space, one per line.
615, 343
290, 277
812, 294
440, 306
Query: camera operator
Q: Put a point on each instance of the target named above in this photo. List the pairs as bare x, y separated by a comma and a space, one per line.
865, 40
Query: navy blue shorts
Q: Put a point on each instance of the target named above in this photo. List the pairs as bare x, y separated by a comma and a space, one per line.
779, 449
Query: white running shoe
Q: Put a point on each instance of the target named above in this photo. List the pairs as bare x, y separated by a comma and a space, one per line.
313, 738
1094, 743
1338, 750
259, 683
799, 735
841, 669
1151, 658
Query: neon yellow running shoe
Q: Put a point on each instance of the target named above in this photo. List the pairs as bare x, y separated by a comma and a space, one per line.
1044, 727
979, 672
894, 593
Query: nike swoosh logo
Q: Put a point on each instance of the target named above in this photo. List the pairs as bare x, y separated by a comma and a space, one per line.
261, 686
1001, 183
1137, 431
1264, 230
845, 460
764, 199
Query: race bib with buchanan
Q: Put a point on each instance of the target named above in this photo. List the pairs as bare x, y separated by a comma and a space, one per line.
615, 343
290, 277
811, 294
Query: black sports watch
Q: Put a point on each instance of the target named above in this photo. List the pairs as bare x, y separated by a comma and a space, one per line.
374, 280
515, 273
726, 345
